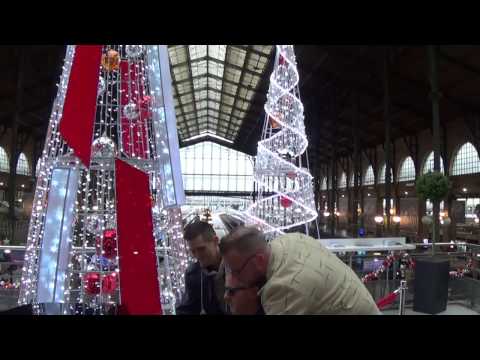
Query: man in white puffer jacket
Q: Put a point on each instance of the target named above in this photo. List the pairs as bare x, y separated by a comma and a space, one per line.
296, 275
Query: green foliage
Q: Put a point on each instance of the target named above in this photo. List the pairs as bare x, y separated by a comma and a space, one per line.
432, 186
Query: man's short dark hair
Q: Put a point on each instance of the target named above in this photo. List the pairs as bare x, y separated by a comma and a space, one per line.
245, 240
197, 228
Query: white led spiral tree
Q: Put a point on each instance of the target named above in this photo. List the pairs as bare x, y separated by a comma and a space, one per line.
285, 185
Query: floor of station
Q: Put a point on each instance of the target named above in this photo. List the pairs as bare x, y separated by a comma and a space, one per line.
452, 309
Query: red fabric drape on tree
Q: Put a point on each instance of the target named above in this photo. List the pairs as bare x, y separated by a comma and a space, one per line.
76, 125
139, 285
134, 133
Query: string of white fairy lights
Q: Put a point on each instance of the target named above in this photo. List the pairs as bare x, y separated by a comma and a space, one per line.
278, 167
95, 202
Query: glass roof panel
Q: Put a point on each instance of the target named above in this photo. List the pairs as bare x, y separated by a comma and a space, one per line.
257, 63
236, 56
180, 72
213, 105
184, 88
201, 95
224, 117
178, 54
214, 83
227, 99
201, 104
199, 68
245, 93
232, 74
214, 95
250, 81
226, 109
217, 51
199, 83
197, 51
206, 80
266, 49
185, 99
215, 68
230, 89
190, 116
242, 104
238, 113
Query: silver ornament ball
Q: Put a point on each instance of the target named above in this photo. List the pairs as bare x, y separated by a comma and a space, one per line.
101, 87
134, 51
130, 111
93, 224
103, 147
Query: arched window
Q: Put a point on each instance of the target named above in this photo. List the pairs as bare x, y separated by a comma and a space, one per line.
381, 175
407, 170
207, 166
323, 184
428, 164
4, 161
351, 182
342, 182
369, 178
466, 161
23, 167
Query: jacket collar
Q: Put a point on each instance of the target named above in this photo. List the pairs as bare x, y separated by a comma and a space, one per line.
270, 267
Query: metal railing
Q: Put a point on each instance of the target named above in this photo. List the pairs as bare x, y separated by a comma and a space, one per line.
464, 290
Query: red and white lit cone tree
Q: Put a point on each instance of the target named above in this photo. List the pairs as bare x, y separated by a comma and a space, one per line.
109, 188
285, 185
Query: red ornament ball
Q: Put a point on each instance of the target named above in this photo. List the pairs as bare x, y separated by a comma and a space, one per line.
92, 283
291, 175
285, 202
273, 123
109, 243
109, 283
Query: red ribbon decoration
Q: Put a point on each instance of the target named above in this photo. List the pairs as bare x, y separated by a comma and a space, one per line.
139, 285
76, 125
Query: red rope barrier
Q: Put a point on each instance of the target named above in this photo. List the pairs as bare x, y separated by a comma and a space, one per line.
387, 300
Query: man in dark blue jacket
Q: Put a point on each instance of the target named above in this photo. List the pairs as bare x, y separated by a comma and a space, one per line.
205, 279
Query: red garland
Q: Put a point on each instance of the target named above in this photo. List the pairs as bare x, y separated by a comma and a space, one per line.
459, 273
386, 264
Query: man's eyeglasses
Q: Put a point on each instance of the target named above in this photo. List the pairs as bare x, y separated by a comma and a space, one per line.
231, 291
239, 271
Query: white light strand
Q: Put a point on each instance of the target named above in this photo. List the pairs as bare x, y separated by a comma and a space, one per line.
121, 130
278, 167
